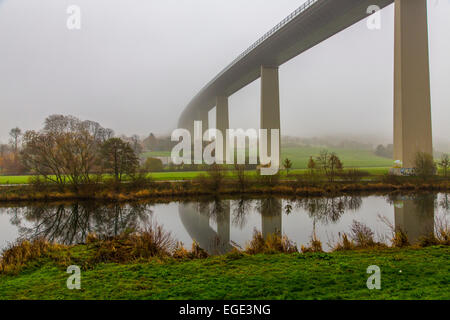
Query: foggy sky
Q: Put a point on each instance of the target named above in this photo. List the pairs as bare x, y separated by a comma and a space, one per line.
135, 64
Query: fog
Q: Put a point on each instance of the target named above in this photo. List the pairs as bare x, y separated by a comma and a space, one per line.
135, 64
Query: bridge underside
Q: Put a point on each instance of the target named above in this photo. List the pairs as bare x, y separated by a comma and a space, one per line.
323, 19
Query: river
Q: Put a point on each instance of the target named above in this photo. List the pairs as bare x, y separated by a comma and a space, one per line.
218, 225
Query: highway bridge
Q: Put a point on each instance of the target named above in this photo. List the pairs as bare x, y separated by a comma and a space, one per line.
314, 22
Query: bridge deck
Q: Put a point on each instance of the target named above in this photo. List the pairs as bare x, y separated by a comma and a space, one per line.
314, 22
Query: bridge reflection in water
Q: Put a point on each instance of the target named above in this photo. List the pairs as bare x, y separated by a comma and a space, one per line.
415, 216
212, 224
196, 218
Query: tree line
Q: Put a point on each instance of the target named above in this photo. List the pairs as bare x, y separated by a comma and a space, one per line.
68, 150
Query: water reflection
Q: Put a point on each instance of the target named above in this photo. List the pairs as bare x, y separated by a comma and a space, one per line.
70, 224
219, 225
415, 215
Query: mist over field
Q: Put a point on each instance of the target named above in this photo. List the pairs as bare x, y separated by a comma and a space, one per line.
135, 65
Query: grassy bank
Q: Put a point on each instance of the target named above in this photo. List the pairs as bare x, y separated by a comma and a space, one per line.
226, 187
191, 175
405, 274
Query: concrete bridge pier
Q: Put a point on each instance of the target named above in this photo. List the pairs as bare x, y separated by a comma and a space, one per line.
222, 121
270, 102
412, 102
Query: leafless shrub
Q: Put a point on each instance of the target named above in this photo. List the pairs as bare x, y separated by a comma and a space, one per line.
315, 245
274, 243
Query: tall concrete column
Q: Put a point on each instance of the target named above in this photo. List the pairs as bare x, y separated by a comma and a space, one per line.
270, 102
222, 121
222, 117
412, 102
203, 116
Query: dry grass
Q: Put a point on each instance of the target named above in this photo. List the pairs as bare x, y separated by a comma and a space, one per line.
274, 243
399, 238
151, 242
315, 245
196, 252
14, 258
441, 236
360, 237
344, 243
443, 231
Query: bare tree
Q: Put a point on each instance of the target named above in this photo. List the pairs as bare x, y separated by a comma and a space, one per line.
15, 134
65, 151
330, 164
287, 165
118, 157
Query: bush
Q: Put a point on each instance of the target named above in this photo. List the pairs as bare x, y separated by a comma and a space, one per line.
424, 165
362, 235
153, 165
216, 175
400, 239
152, 242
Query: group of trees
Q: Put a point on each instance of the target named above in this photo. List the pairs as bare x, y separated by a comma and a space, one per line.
9, 154
68, 150
153, 143
385, 151
328, 162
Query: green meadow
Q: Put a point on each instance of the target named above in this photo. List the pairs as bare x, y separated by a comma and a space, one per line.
300, 157
362, 159
405, 274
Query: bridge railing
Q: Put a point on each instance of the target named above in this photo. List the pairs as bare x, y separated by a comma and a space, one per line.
306, 5
285, 21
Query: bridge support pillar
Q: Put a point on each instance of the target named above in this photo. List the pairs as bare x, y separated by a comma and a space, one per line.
204, 118
412, 102
270, 102
222, 120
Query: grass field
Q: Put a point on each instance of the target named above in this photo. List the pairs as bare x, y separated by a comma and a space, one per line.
362, 159
405, 274
300, 157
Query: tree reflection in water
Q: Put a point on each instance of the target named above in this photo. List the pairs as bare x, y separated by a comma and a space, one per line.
329, 210
70, 224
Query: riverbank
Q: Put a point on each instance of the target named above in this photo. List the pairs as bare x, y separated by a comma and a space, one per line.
412, 273
206, 186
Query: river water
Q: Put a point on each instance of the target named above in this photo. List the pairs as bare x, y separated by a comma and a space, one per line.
218, 225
